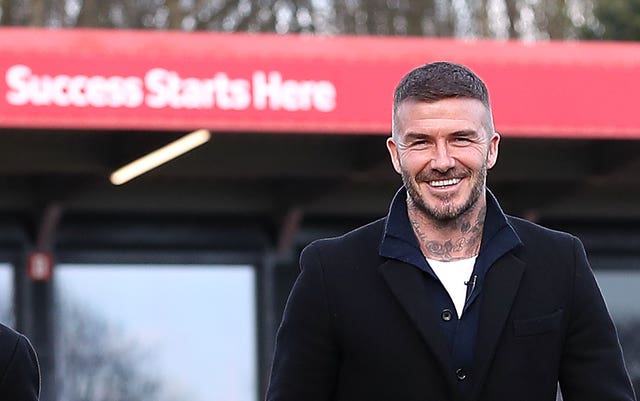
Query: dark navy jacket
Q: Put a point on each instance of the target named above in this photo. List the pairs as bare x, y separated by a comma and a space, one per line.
359, 326
19, 370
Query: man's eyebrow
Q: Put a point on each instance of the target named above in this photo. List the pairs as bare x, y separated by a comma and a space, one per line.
415, 135
411, 135
465, 132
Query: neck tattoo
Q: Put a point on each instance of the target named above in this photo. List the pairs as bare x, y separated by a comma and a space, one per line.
463, 240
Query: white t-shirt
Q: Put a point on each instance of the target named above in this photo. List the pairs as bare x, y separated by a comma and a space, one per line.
454, 275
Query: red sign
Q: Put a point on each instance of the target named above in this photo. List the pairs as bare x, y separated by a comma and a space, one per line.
150, 80
40, 266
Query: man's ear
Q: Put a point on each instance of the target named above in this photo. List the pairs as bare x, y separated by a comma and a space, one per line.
393, 153
492, 156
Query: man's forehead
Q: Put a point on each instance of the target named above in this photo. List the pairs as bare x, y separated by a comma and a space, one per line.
457, 113
445, 106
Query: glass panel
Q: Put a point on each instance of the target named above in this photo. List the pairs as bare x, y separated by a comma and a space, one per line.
621, 290
162, 333
6, 295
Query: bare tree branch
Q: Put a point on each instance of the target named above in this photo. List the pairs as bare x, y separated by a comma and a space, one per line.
557, 22
5, 19
350, 17
38, 13
514, 16
481, 17
176, 14
88, 15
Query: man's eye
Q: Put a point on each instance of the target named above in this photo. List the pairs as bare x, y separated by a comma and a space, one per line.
420, 143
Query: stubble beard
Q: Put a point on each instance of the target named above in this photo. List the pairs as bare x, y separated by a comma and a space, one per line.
448, 212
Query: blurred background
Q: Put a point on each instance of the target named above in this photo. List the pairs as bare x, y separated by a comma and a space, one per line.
171, 286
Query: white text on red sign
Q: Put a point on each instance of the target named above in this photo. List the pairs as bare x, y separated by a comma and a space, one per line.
161, 88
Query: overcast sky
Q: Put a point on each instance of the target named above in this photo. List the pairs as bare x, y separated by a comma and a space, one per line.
200, 322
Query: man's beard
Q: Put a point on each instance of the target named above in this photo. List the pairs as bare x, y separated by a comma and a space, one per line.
448, 211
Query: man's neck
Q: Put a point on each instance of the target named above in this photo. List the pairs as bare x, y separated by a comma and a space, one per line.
452, 240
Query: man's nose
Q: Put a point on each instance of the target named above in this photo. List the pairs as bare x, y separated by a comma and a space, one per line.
442, 159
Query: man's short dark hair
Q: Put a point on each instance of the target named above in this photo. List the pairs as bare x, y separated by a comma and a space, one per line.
440, 80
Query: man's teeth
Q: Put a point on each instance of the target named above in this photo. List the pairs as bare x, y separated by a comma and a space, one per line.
444, 183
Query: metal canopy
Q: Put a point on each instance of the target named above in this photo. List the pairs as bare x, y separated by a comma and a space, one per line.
566, 112
151, 80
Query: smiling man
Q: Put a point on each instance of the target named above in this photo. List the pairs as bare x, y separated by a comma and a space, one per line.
446, 298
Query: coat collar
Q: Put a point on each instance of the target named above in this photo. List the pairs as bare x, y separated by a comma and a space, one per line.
399, 241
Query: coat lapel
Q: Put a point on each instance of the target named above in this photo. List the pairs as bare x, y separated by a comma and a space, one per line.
407, 283
498, 293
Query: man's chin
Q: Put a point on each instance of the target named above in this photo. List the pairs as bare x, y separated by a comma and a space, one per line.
445, 212
445, 216
439, 213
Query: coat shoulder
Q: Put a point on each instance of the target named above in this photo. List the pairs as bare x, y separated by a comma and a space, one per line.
369, 234
9, 338
546, 249
19, 369
361, 244
532, 233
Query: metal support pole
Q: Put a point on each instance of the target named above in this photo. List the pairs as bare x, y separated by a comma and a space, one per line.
41, 300
275, 261
267, 320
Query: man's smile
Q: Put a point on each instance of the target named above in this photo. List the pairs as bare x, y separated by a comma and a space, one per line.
444, 183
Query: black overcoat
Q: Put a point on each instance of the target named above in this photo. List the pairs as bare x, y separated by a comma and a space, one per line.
360, 327
19, 370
